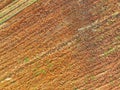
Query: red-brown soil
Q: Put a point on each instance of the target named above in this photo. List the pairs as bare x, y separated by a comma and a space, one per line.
62, 45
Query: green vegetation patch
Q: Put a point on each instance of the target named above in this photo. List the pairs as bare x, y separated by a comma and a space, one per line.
26, 59
75, 89
108, 52
118, 37
42, 71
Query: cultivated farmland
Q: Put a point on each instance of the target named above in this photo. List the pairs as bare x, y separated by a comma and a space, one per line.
59, 45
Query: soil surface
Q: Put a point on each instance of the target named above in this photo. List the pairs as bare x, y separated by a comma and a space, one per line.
61, 45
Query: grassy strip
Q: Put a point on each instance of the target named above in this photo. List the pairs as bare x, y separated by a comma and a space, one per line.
9, 5
16, 11
108, 52
12, 7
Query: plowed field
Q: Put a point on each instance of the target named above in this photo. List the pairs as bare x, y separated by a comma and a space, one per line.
59, 44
